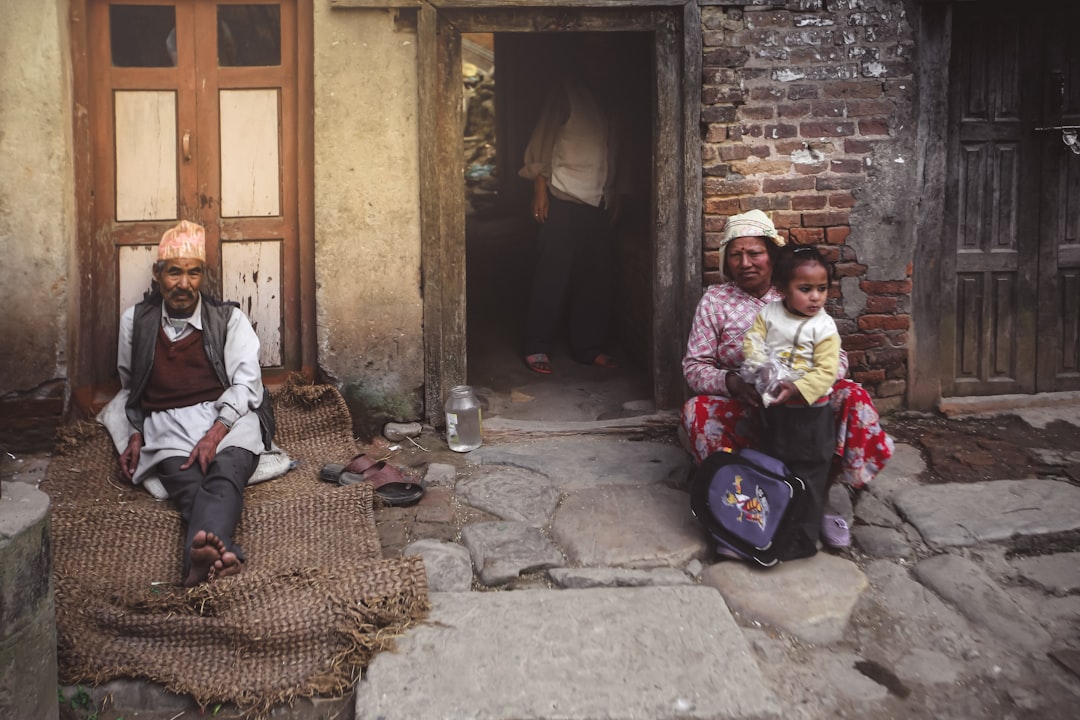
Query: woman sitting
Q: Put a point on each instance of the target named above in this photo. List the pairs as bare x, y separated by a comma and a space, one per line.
724, 411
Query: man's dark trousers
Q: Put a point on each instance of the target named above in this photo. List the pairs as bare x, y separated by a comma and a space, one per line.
212, 502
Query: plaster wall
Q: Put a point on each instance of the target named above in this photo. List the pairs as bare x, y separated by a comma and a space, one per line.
37, 196
367, 214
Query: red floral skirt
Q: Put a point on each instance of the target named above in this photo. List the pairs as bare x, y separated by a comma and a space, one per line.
862, 446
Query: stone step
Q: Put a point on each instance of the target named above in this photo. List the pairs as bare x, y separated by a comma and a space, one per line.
616, 653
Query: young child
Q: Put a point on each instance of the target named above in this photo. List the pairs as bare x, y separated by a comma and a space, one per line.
798, 335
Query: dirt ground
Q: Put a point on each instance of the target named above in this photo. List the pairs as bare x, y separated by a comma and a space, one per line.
978, 448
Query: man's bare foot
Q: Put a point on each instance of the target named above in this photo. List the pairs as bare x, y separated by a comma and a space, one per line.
207, 552
228, 565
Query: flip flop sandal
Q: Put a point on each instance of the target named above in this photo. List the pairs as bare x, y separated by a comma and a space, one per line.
539, 363
331, 472
390, 485
605, 361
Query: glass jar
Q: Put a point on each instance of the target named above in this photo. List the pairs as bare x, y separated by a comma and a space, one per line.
463, 425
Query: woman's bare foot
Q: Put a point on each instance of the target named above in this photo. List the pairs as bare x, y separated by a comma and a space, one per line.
207, 552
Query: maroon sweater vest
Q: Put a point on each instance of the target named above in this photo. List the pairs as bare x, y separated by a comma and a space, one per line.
180, 375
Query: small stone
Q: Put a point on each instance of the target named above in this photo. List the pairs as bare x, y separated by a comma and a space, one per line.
694, 568
396, 432
440, 474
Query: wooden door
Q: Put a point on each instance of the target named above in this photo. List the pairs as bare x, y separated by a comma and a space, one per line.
1011, 296
194, 116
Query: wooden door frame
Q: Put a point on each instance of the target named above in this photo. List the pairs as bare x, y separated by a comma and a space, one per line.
90, 380
676, 207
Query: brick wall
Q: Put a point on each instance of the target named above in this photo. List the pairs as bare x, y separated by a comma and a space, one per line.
796, 98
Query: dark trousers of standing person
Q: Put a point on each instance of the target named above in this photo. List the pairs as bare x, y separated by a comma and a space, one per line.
573, 264
804, 439
212, 502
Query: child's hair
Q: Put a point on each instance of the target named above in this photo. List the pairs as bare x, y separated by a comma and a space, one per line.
791, 257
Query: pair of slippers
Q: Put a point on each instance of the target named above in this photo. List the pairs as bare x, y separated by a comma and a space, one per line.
390, 485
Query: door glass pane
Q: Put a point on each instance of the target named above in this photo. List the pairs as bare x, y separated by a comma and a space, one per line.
249, 35
249, 153
143, 35
145, 155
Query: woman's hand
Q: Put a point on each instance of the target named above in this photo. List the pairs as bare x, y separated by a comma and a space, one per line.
540, 199
742, 391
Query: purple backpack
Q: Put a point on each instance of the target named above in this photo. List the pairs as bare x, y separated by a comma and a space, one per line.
750, 503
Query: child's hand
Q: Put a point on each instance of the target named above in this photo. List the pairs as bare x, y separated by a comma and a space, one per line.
786, 391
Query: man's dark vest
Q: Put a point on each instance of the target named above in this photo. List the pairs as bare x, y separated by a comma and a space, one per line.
215, 323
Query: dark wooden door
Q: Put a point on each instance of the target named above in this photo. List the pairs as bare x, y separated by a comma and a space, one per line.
1011, 296
194, 113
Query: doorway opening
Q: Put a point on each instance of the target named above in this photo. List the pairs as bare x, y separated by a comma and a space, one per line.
505, 86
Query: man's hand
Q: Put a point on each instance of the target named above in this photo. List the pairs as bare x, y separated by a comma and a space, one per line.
742, 391
205, 450
129, 459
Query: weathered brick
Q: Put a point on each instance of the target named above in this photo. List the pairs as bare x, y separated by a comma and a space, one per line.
728, 57
886, 287
862, 341
751, 130
787, 219
826, 129
731, 186
846, 165
839, 182
806, 236
847, 252
837, 234
768, 93
712, 240
781, 130
714, 94
720, 206
829, 108
713, 39
831, 255
713, 224
720, 76
854, 89
891, 388
884, 322
869, 376
760, 151
897, 372
886, 356
845, 326
816, 55
779, 185
804, 168
757, 112
875, 126
803, 92
760, 167
808, 202
826, 218
856, 358
792, 110
842, 200
755, 202
862, 108
853, 145
768, 18
879, 304
712, 259
734, 151
850, 269
718, 114
713, 276
715, 170
715, 133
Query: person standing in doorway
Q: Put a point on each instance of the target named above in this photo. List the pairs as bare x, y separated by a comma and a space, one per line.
573, 160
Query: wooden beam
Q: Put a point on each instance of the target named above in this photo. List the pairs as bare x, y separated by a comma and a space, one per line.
427, 66
692, 211
374, 4
546, 19
479, 5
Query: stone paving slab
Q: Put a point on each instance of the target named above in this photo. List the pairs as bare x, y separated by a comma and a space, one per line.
575, 463
982, 601
961, 514
620, 654
1058, 573
811, 598
501, 550
617, 577
510, 493
646, 526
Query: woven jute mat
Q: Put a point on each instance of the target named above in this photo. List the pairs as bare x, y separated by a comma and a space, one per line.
314, 602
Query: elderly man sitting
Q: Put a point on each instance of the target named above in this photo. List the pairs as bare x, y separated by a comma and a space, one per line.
196, 415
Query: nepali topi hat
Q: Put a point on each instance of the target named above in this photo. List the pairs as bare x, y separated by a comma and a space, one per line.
185, 240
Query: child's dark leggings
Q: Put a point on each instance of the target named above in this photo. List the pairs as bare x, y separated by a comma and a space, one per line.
804, 438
